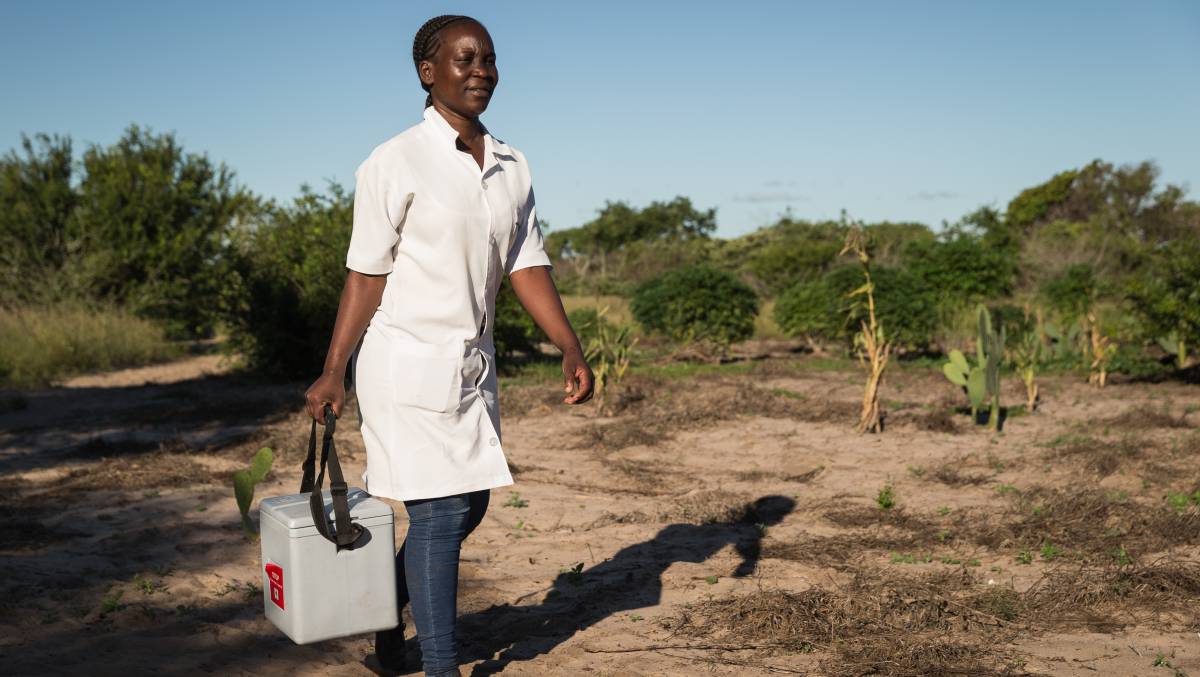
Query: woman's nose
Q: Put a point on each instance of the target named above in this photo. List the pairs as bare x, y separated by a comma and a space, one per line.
484, 70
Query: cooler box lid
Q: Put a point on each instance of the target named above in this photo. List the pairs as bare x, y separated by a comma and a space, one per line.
293, 511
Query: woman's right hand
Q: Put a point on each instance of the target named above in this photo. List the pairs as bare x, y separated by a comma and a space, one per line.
329, 389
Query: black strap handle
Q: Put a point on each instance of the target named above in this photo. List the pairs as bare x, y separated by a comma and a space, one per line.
343, 533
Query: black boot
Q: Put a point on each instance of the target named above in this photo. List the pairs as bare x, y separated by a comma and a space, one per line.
389, 651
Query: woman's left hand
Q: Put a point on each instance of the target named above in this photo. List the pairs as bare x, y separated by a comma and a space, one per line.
578, 377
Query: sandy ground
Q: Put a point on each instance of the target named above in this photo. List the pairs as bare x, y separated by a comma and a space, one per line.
624, 534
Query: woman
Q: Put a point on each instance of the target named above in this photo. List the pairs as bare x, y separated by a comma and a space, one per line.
440, 210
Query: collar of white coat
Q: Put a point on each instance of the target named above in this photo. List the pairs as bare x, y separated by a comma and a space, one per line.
492, 147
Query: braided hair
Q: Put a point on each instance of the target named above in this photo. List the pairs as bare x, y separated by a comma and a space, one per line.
426, 43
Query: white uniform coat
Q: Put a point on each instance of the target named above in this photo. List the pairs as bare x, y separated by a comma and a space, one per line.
443, 231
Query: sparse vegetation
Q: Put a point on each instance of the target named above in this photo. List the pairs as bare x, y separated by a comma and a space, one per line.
886, 498
515, 501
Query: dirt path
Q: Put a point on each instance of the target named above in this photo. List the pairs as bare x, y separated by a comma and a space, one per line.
727, 510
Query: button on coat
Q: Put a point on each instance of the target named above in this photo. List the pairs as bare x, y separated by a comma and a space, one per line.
443, 230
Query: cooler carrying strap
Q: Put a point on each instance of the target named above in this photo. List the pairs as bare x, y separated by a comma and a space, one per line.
346, 532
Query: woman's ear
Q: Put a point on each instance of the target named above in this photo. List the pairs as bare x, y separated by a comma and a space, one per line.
425, 71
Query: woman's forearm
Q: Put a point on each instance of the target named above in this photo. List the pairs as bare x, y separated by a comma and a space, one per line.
537, 293
360, 298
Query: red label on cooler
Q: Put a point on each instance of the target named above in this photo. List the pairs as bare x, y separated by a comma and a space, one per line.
275, 578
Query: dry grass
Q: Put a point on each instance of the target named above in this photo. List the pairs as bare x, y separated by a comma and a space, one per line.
619, 435
937, 421
1144, 417
949, 474
949, 622
39, 345
1089, 524
152, 471
893, 626
1086, 526
662, 408
618, 306
709, 507
1101, 457
645, 477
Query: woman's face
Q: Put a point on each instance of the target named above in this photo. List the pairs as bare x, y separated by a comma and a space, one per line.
463, 72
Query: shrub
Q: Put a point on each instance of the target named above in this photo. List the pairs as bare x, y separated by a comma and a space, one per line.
1071, 294
792, 251
822, 310
813, 309
697, 303
287, 275
962, 268
1168, 299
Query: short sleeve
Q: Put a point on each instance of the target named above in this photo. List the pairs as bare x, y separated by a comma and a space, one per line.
375, 231
527, 247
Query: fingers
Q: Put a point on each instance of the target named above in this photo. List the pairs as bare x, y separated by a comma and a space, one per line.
318, 396
581, 379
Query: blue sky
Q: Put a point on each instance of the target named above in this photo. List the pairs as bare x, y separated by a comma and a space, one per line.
901, 111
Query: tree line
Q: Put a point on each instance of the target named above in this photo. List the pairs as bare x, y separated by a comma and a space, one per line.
171, 236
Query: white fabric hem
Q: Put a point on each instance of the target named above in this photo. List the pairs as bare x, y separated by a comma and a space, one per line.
440, 492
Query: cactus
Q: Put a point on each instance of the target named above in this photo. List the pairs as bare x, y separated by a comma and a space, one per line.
243, 485
981, 380
1175, 346
971, 378
990, 349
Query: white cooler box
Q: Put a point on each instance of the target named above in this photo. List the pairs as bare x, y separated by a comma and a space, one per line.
315, 585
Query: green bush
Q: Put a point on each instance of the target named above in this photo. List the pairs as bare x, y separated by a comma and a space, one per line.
1133, 361
697, 303
791, 252
961, 269
1072, 293
1167, 298
822, 309
287, 273
813, 309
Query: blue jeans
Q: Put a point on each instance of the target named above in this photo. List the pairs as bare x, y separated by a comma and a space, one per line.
427, 572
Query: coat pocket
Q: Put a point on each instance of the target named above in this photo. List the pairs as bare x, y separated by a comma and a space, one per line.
426, 375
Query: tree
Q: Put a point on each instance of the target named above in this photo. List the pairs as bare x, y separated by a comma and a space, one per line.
612, 245
38, 232
1168, 299
286, 272
153, 221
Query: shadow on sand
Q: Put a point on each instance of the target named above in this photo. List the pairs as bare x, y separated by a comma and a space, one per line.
631, 579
